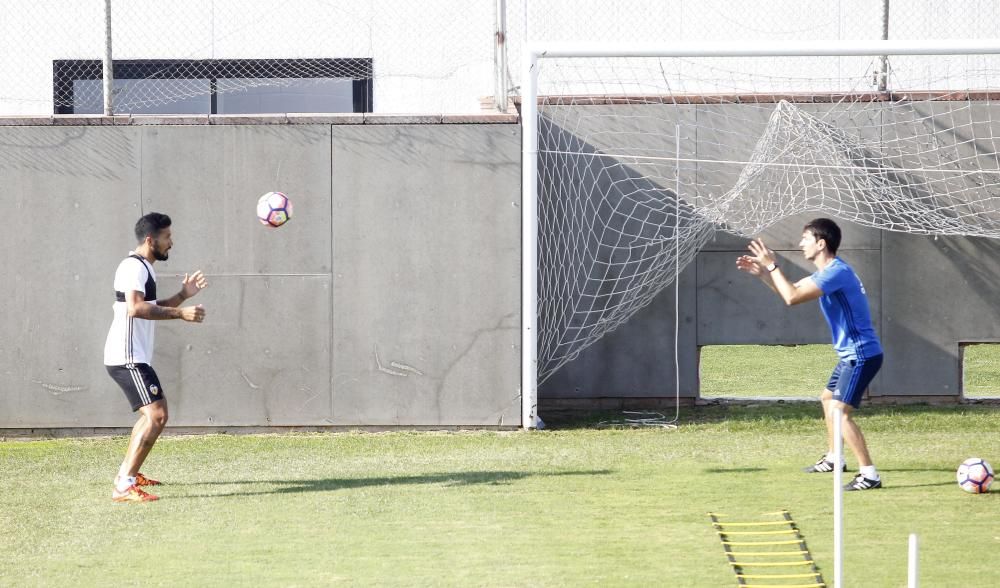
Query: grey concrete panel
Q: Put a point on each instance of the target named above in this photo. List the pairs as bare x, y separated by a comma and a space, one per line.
427, 236
208, 179
261, 358
735, 308
426, 287
63, 188
636, 360
943, 292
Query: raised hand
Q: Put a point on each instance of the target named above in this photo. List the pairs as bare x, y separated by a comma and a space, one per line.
193, 284
761, 254
749, 265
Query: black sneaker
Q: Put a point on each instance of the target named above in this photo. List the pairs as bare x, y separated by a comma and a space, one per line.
822, 466
860, 482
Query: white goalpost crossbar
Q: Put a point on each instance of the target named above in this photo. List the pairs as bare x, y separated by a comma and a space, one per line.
529, 120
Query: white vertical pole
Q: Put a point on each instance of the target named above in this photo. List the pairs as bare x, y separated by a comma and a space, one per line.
677, 272
838, 500
883, 69
500, 58
109, 75
912, 568
529, 240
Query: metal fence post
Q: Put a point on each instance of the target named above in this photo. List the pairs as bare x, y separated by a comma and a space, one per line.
883, 74
500, 57
109, 75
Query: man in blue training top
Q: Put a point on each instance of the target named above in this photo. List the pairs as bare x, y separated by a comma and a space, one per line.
845, 306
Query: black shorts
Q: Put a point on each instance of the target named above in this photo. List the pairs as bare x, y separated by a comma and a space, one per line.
138, 381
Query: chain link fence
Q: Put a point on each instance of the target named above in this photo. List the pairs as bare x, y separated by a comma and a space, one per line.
384, 56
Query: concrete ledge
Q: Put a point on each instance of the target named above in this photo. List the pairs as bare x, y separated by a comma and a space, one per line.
26, 121
286, 119
79, 120
84, 432
322, 119
170, 119
480, 119
403, 119
96, 120
595, 404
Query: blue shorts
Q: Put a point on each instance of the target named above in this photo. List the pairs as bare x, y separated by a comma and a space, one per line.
851, 377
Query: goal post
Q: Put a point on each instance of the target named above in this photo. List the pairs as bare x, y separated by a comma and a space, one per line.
799, 162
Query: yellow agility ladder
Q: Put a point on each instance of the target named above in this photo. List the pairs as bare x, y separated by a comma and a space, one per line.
758, 549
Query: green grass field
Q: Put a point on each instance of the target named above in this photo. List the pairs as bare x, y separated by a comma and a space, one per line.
776, 371
568, 506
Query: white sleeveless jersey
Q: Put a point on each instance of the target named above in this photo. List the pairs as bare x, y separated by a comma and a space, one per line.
130, 339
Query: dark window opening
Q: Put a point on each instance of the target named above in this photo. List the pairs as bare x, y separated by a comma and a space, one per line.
215, 86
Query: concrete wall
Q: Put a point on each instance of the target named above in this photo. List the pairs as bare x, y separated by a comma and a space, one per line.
391, 298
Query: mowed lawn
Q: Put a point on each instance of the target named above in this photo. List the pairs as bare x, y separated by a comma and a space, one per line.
570, 505
783, 371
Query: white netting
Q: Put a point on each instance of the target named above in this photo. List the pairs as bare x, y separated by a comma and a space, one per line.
259, 55
281, 44
642, 160
433, 56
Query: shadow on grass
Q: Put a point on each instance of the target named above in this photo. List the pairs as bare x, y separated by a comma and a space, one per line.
889, 485
331, 484
733, 470
948, 470
754, 470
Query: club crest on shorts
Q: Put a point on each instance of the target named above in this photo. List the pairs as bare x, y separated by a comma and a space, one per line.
154, 390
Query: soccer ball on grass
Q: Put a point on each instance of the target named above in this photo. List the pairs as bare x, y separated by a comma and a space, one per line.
975, 475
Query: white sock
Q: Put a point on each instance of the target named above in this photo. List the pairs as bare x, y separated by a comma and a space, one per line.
869, 472
123, 482
831, 457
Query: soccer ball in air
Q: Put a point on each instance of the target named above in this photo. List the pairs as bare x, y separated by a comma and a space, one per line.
975, 475
274, 209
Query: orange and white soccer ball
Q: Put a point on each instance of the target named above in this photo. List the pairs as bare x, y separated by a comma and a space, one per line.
274, 209
975, 475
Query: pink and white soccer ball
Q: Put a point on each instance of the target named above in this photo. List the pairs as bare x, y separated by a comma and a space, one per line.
274, 209
975, 475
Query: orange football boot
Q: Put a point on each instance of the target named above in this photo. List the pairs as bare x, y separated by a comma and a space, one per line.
141, 480
132, 494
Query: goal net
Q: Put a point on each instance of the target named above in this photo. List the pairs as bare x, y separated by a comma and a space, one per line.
642, 158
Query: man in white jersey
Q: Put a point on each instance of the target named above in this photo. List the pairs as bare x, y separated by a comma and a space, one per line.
128, 350
844, 303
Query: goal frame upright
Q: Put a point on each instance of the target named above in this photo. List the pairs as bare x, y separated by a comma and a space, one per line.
535, 51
